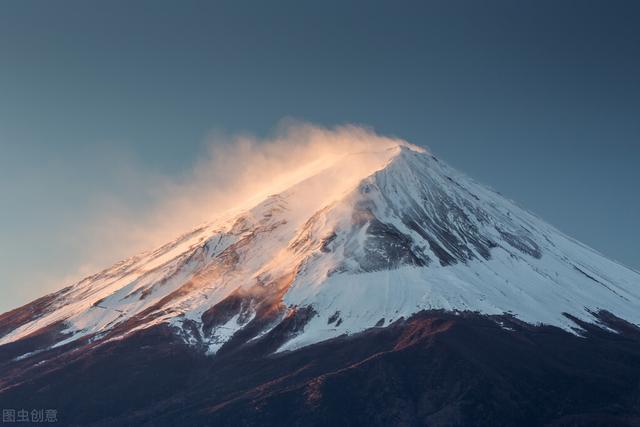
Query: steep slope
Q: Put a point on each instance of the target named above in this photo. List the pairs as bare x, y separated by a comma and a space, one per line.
421, 235
372, 238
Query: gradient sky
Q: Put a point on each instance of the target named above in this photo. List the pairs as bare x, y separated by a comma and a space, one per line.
538, 99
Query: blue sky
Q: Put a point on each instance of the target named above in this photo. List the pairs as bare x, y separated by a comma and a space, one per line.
538, 99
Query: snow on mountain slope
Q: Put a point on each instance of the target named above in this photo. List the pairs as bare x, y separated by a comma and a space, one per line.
371, 238
189, 274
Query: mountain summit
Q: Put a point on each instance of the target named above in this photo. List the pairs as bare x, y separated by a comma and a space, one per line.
351, 254
360, 248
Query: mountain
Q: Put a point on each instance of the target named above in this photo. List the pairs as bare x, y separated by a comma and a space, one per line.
383, 287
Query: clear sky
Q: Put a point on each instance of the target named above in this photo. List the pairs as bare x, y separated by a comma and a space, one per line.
538, 99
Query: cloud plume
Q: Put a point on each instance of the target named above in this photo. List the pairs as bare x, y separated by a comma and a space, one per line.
234, 171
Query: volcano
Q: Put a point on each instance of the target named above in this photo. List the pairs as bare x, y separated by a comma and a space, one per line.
381, 288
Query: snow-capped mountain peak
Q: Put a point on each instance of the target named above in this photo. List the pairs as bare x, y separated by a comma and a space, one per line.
365, 240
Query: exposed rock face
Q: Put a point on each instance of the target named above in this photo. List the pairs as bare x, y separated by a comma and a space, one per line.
436, 369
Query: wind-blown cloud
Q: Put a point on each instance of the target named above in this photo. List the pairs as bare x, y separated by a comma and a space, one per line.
235, 171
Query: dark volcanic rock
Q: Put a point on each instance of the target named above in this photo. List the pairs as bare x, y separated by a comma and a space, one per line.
435, 369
